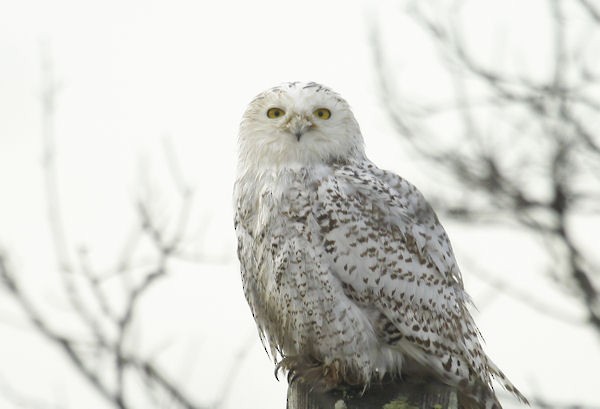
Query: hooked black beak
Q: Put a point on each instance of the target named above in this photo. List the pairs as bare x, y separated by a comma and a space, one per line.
298, 126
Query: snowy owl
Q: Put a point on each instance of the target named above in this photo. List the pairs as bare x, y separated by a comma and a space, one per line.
348, 272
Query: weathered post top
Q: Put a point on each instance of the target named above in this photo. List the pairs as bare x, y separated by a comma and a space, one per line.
398, 394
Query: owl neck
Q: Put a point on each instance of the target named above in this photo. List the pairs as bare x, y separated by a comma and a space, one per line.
271, 172
273, 159
253, 181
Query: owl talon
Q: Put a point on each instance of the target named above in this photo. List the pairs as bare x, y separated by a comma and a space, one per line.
323, 377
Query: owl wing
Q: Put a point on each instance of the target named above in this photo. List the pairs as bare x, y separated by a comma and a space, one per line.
392, 256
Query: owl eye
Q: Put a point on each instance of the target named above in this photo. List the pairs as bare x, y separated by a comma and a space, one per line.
275, 113
322, 113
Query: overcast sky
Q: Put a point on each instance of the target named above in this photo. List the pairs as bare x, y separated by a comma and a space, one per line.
134, 73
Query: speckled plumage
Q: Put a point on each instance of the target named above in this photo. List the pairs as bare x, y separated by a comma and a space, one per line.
346, 268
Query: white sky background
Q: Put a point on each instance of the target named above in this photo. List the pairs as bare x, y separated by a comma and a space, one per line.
135, 72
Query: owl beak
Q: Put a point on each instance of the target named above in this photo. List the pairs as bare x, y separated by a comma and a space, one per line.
299, 125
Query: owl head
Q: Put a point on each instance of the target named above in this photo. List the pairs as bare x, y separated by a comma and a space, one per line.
298, 125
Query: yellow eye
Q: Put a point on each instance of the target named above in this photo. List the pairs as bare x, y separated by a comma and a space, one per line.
275, 113
322, 113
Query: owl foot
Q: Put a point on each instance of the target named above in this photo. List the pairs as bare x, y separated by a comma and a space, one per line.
320, 376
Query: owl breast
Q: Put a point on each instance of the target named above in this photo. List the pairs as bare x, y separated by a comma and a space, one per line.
288, 269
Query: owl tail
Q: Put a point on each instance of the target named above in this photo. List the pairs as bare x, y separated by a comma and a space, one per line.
482, 396
506, 384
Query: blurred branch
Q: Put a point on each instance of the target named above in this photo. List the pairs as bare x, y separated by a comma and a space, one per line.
107, 314
518, 294
72, 349
41, 324
50, 89
549, 141
592, 11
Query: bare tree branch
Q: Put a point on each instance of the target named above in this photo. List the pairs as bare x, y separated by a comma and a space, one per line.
552, 143
101, 351
593, 12
517, 293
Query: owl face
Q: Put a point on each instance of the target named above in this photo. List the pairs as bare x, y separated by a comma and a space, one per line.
298, 125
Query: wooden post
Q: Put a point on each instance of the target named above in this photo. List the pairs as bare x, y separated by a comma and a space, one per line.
399, 394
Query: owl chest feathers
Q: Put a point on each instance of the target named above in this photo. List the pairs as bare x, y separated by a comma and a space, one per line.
320, 258
289, 270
